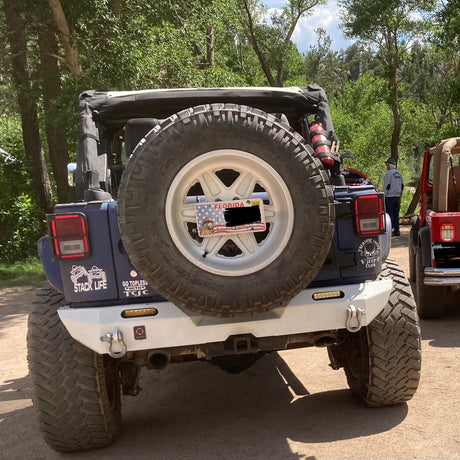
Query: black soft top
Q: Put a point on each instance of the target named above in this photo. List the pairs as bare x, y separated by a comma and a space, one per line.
112, 109
102, 114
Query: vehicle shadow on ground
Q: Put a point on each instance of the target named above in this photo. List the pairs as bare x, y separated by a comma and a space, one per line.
196, 411
401, 241
14, 389
197, 408
445, 331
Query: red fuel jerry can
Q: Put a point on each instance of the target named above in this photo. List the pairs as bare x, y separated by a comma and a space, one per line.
321, 143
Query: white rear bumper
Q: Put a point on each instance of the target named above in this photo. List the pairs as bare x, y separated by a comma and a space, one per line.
171, 327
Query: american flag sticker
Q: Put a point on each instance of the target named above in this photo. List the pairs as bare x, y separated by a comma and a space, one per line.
223, 217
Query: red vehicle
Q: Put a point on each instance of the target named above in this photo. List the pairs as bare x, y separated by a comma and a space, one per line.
355, 177
434, 243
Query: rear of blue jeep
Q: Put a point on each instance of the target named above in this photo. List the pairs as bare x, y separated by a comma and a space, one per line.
85, 259
214, 225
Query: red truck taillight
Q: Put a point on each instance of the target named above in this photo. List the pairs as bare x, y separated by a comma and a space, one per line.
370, 214
69, 235
447, 232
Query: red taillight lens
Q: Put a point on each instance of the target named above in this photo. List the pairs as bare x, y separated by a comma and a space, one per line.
370, 214
447, 232
69, 235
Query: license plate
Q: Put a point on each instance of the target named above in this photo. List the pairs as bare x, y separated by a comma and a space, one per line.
222, 217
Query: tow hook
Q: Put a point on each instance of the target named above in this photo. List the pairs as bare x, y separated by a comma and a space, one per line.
354, 318
117, 347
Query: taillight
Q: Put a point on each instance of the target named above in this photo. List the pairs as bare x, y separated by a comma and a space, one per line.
447, 232
69, 235
370, 214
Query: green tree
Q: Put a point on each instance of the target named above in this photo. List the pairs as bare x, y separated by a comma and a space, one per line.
50, 83
362, 121
27, 99
359, 59
270, 36
446, 43
389, 25
333, 69
20, 216
321, 64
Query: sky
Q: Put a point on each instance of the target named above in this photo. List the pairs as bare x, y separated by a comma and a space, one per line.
325, 16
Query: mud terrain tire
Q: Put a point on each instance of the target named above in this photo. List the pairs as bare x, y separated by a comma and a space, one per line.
74, 390
382, 361
225, 152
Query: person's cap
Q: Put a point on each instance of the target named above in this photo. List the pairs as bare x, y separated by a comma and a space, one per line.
390, 161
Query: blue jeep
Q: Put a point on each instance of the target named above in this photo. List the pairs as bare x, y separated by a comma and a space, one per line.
216, 225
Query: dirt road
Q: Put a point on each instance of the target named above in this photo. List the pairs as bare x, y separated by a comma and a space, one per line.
289, 405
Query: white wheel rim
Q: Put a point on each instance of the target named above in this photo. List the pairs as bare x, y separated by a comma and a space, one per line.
229, 255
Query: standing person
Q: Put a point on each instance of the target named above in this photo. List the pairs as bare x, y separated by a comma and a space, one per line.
393, 186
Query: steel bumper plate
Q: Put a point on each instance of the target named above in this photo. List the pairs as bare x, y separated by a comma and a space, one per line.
172, 327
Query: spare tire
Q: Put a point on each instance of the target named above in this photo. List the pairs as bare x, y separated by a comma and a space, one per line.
231, 154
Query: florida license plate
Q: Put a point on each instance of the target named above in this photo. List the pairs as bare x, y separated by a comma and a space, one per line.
238, 216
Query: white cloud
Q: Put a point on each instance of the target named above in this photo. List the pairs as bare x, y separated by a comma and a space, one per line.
324, 16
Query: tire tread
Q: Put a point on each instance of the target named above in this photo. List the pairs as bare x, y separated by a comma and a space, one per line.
394, 344
67, 382
139, 247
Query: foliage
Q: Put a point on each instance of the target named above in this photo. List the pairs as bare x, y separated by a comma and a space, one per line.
383, 21
24, 227
362, 121
25, 273
322, 65
148, 44
390, 25
333, 69
269, 33
20, 217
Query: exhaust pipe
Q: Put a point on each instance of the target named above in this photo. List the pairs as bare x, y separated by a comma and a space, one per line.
158, 360
324, 340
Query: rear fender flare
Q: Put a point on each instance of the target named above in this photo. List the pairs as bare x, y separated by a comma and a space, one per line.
50, 266
425, 246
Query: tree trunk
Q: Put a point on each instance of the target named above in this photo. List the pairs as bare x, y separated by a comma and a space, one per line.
71, 53
27, 101
248, 26
415, 201
115, 7
389, 53
51, 88
396, 135
394, 102
210, 46
295, 16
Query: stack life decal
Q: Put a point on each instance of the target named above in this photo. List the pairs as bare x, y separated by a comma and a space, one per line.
94, 279
223, 217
